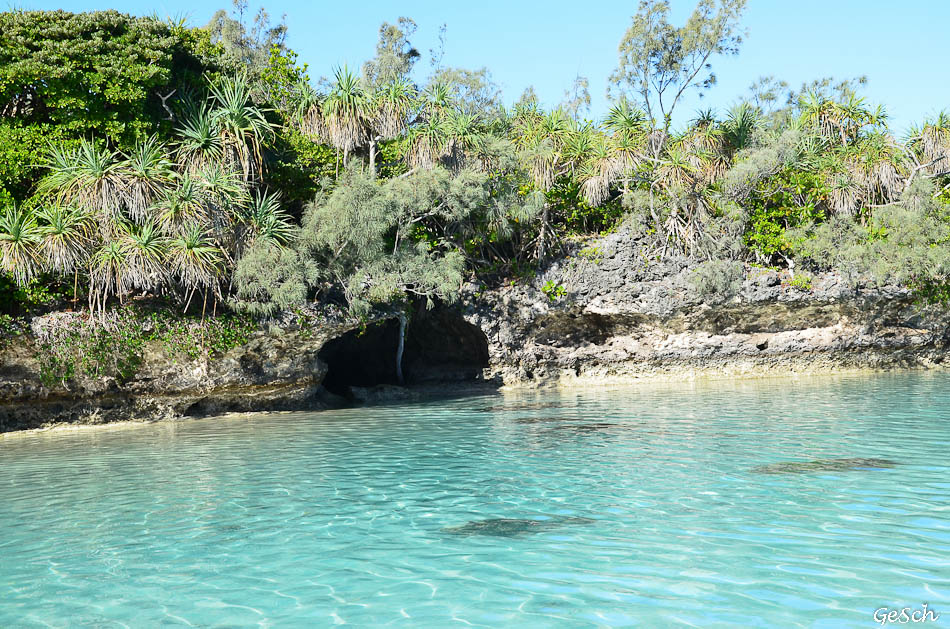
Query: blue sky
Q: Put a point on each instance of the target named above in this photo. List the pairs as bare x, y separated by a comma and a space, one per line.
900, 46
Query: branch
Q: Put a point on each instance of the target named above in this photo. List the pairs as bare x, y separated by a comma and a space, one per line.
164, 99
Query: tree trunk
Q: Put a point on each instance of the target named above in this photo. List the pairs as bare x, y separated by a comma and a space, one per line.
401, 347
542, 237
372, 158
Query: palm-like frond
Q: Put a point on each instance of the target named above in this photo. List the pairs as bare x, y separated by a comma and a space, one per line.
145, 252
20, 240
199, 143
66, 237
427, 144
144, 172
392, 104
346, 112
241, 125
266, 219
107, 273
310, 111
88, 176
194, 258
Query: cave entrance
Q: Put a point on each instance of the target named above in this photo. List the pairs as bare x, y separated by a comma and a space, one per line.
440, 347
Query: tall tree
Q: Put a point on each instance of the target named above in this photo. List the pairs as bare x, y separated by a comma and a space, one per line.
247, 41
395, 54
577, 98
660, 62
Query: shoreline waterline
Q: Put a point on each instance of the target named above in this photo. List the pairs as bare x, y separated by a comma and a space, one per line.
578, 384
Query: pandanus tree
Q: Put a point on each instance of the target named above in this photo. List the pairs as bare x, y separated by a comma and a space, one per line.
20, 242
197, 262
613, 158
242, 127
145, 250
199, 144
88, 176
67, 234
540, 139
930, 148
346, 113
144, 173
389, 110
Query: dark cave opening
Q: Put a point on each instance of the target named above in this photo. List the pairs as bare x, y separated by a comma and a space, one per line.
440, 347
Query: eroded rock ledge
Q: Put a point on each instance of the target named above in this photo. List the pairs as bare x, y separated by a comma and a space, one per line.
616, 319
277, 370
623, 318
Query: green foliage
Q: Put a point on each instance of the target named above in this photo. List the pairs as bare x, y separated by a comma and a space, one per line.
576, 215
906, 243
659, 62
790, 199
113, 345
553, 290
270, 277
65, 76
299, 166
801, 281
717, 280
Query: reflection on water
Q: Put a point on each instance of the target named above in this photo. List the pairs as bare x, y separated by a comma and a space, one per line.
768, 503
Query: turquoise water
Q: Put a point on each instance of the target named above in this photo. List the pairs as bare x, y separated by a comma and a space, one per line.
645, 506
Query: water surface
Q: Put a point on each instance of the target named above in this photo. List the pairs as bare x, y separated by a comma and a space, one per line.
658, 505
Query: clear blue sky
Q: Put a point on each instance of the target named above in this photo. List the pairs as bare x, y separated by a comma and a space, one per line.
900, 46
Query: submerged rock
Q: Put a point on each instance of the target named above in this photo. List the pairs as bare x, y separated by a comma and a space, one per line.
824, 465
511, 527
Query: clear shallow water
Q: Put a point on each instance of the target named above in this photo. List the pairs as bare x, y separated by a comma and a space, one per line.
618, 508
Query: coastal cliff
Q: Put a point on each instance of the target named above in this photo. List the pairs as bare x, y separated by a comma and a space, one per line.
614, 316
606, 315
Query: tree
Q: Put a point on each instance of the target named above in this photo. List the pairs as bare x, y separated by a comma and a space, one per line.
241, 125
346, 112
577, 98
66, 76
20, 239
660, 62
247, 44
395, 55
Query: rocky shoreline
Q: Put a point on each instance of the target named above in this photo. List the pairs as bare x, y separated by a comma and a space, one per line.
611, 318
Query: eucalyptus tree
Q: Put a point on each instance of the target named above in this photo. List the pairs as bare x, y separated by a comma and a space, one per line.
577, 99
659, 62
395, 54
247, 43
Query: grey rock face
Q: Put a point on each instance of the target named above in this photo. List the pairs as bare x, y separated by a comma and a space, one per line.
624, 317
277, 370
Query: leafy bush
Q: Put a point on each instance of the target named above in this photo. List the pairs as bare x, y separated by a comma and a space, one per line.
717, 279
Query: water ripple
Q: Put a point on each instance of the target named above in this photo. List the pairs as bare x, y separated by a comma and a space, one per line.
728, 504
